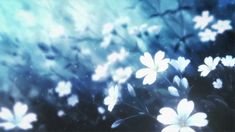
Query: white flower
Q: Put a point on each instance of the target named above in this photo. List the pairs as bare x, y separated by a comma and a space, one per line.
18, 118
101, 73
112, 98
60, 113
207, 35
63, 88
158, 64
180, 64
181, 82
217, 83
222, 26
101, 110
181, 121
228, 61
210, 64
121, 75
72, 100
173, 91
202, 21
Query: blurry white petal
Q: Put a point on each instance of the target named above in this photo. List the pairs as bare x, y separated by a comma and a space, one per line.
159, 56
198, 119
185, 108
20, 109
184, 83
176, 80
173, 91
186, 129
147, 60
26, 121
167, 116
6, 114
150, 78
7, 125
171, 128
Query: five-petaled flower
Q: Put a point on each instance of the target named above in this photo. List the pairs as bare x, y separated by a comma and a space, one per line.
217, 84
207, 35
210, 64
181, 121
63, 88
18, 118
158, 64
228, 61
222, 25
112, 98
203, 21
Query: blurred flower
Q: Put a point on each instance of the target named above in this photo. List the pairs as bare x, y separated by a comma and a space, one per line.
203, 20
210, 64
72, 100
181, 121
228, 61
222, 26
60, 113
112, 98
18, 118
217, 83
173, 91
101, 73
207, 35
117, 56
181, 82
121, 75
180, 64
158, 64
101, 110
63, 88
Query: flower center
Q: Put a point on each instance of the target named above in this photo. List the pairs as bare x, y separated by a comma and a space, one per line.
182, 122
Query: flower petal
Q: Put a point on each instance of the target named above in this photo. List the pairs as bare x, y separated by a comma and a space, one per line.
173, 91
186, 129
150, 78
167, 116
147, 60
142, 72
163, 65
7, 125
171, 128
185, 108
6, 114
208, 61
27, 120
159, 56
198, 119
20, 109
